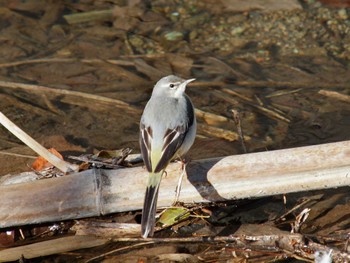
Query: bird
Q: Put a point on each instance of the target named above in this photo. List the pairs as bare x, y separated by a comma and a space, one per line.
167, 131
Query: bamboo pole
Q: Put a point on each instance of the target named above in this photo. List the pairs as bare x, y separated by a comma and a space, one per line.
99, 192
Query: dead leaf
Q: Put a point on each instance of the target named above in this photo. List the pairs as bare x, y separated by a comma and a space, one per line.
40, 163
7, 238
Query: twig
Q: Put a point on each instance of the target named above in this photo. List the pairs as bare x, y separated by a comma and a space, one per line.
50, 247
221, 64
40, 89
335, 95
282, 93
218, 132
269, 113
89, 16
119, 250
211, 118
52, 107
237, 120
234, 93
282, 217
294, 85
96, 163
66, 60
18, 155
35, 146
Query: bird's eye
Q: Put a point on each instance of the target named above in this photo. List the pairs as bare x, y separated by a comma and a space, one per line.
171, 85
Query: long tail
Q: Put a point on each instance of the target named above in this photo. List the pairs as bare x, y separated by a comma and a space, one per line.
150, 204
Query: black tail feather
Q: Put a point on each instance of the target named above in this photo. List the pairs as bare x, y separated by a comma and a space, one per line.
149, 211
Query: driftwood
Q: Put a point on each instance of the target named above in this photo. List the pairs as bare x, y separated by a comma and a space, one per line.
99, 192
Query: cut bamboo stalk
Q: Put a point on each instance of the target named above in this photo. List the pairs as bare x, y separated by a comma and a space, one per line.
100, 192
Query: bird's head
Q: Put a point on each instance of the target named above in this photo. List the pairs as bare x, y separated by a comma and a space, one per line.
171, 86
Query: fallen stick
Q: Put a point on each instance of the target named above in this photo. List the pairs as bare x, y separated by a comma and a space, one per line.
89, 16
100, 192
50, 247
335, 95
83, 96
294, 85
268, 112
218, 132
66, 60
106, 229
211, 118
35, 146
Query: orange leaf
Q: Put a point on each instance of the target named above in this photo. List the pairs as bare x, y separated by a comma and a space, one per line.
41, 163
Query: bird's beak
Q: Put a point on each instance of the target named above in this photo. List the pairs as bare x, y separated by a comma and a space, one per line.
184, 84
182, 87
188, 81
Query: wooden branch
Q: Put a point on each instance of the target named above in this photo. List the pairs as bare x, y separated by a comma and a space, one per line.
100, 192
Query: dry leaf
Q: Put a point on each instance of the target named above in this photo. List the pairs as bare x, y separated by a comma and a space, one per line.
7, 238
40, 163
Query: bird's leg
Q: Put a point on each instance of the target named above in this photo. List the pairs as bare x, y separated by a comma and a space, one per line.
178, 187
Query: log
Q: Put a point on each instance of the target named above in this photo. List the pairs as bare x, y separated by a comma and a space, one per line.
100, 192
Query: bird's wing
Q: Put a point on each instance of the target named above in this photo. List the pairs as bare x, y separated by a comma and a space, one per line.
173, 138
172, 141
145, 144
